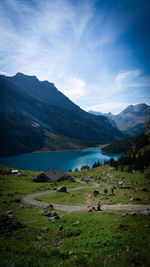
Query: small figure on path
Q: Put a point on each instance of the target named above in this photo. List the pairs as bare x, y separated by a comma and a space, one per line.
98, 206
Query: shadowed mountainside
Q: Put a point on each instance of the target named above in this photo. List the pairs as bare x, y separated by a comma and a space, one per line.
34, 110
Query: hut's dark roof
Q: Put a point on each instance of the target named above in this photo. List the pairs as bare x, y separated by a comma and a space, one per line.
54, 175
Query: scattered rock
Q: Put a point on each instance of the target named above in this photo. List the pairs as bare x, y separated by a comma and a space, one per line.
62, 189
145, 212
39, 238
59, 244
50, 206
9, 212
7, 223
105, 190
135, 199
54, 218
7, 234
60, 228
75, 223
17, 200
95, 193
47, 213
141, 189
133, 213
109, 256
122, 226
71, 179
54, 213
125, 214
146, 226
44, 213
110, 202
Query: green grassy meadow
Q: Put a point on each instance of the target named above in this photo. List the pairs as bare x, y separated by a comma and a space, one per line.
104, 238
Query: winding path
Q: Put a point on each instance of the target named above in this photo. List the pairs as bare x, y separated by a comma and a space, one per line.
30, 199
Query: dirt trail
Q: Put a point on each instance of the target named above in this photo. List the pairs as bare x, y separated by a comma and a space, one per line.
30, 199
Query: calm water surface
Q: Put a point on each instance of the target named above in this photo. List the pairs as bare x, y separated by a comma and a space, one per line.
62, 160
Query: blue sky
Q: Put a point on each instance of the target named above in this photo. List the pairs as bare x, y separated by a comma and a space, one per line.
95, 52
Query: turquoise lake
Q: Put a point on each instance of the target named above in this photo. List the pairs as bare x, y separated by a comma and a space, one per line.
62, 160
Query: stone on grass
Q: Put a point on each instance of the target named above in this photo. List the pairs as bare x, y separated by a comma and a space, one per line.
50, 206
71, 179
110, 202
121, 226
142, 189
39, 238
54, 213
9, 212
62, 189
125, 214
133, 213
47, 213
8, 234
59, 244
95, 193
60, 228
145, 212
54, 218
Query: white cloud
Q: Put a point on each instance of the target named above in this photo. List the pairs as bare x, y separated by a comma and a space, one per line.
73, 87
64, 42
130, 79
115, 92
128, 74
4, 73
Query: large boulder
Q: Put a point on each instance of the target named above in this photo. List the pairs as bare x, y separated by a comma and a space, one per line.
95, 193
62, 189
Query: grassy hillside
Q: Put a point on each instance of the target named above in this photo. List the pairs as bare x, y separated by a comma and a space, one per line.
104, 238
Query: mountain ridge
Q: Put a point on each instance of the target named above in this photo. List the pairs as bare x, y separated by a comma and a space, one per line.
132, 120
20, 99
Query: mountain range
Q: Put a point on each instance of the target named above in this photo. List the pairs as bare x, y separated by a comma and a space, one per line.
34, 115
131, 121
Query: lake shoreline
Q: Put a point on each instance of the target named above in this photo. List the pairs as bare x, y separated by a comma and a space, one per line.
64, 150
62, 160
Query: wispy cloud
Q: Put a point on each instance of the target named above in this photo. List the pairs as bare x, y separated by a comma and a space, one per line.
115, 92
73, 87
71, 43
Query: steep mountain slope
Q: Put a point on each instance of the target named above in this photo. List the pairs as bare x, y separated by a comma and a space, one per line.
18, 136
31, 110
43, 90
132, 120
132, 115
